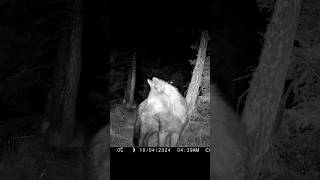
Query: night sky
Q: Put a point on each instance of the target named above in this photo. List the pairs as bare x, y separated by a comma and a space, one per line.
167, 30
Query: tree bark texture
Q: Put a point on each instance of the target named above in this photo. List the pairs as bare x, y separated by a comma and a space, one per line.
131, 83
193, 89
66, 80
268, 80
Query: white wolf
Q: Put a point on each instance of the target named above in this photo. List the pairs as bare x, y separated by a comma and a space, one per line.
164, 113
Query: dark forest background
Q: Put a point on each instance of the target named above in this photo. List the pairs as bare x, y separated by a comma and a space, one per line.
165, 36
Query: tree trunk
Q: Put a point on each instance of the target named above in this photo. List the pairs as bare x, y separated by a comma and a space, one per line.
131, 83
193, 89
66, 79
268, 81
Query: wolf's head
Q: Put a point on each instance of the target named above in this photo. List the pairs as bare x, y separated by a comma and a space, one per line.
160, 86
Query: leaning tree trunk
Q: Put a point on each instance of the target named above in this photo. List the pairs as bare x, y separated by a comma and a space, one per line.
66, 79
268, 81
131, 83
193, 89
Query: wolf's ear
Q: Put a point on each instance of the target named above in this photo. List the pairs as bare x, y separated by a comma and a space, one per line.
155, 79
150, 82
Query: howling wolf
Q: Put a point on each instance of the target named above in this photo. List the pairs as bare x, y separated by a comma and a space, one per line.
228, 142
100, 157
164, 113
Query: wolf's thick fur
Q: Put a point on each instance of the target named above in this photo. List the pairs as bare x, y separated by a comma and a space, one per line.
164, 112
228, 145
100, 157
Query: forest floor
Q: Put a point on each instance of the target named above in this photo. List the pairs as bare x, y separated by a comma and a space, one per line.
33, 159
196, 134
